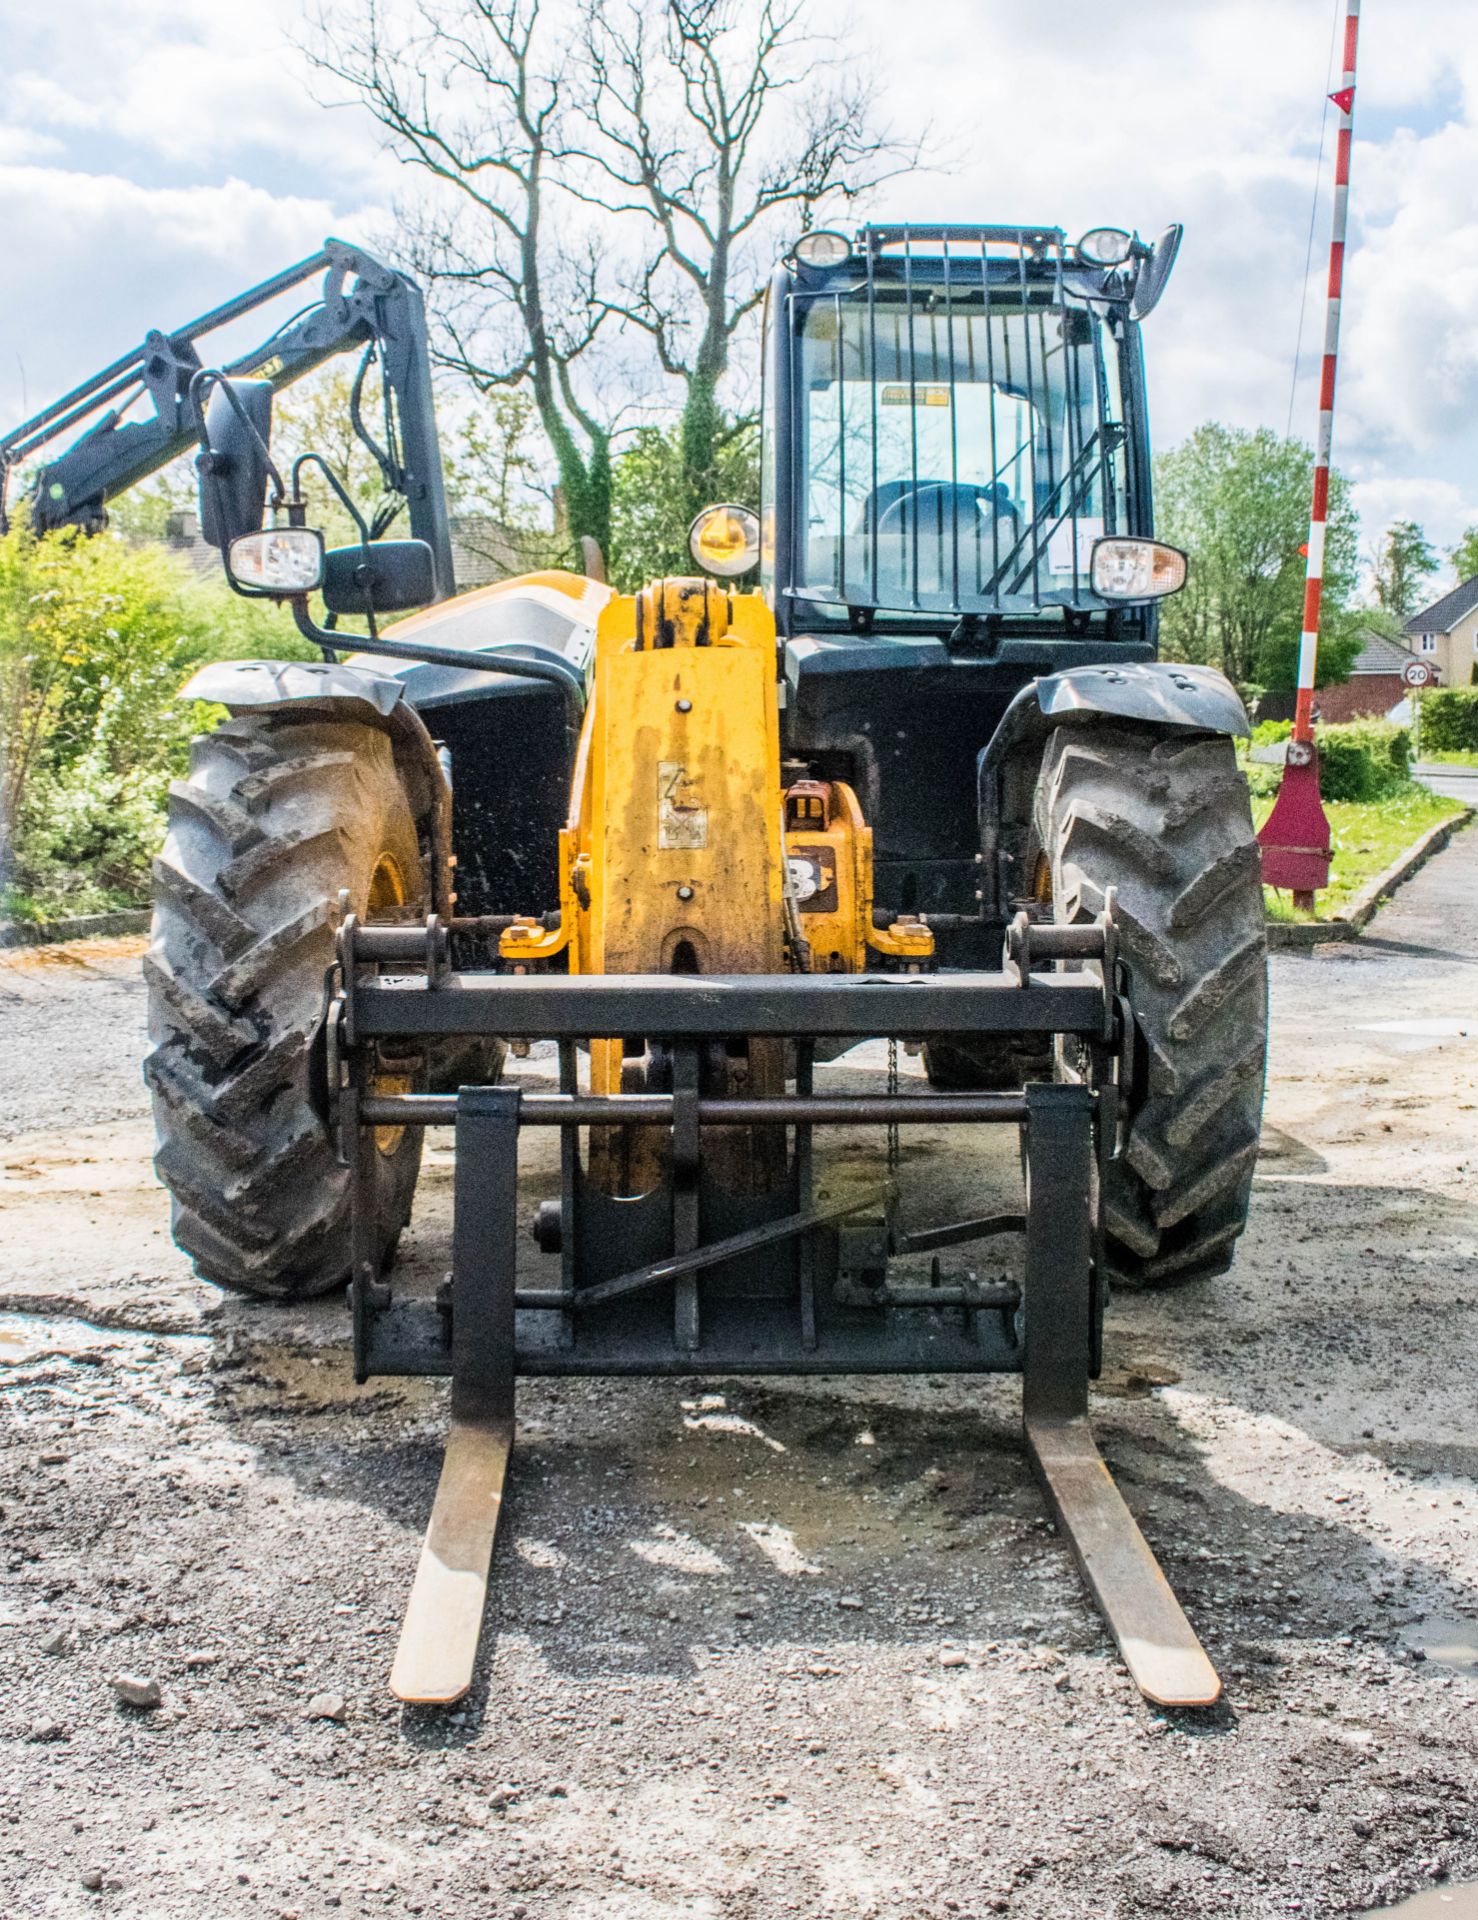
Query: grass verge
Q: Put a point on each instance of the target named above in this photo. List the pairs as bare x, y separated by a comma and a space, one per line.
1457, 758
1368, 836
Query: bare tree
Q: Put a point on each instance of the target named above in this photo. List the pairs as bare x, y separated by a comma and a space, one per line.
474, 98
725, 127
707, 128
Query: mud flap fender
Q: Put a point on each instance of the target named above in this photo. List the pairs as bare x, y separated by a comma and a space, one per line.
334, 690
1160, 694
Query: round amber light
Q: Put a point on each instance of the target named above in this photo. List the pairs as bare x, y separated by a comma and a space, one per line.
725, 540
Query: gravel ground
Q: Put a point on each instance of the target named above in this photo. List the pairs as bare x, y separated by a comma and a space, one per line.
755, 1649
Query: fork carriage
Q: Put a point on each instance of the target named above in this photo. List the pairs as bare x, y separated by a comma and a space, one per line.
684, 1278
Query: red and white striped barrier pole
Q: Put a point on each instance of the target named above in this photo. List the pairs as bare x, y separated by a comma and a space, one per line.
1308, 646
1295, 839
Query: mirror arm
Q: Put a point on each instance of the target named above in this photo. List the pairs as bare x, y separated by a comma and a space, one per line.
346, 501
200, 386
345, 498
574, 696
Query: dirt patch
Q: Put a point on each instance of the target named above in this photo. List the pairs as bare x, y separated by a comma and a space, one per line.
756, 1649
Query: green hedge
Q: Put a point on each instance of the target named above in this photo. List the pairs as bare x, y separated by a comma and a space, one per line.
1364, 760
1361, 760
1450, 720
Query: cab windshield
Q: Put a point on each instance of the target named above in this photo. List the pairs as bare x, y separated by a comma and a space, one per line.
955, 458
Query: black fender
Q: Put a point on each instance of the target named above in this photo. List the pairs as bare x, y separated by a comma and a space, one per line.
334, 690
1162, 695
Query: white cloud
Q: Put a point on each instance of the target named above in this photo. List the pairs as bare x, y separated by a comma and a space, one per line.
106, 260
1413, 299
22, 143
179, 81
1433, 504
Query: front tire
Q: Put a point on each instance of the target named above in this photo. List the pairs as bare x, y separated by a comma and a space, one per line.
278, 815
1166, 821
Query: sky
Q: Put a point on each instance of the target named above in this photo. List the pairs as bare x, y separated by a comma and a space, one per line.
157, 158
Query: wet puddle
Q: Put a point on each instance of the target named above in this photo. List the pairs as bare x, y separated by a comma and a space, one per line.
1446, 1642
32, 1339
1439, 1903
1417, 1036
26, 1338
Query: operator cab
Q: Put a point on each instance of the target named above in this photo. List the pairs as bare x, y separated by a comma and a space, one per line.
954, 424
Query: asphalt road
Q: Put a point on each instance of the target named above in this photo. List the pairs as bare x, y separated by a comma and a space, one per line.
1459, 783
756, 1649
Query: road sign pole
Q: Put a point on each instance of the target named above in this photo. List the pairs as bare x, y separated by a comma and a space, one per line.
1295, 839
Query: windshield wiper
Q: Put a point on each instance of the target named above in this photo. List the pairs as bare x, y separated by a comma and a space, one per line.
1076, 480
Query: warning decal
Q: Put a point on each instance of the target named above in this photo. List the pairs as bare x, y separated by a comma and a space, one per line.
682, 818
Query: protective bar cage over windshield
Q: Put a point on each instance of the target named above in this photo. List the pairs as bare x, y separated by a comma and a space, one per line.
960, 417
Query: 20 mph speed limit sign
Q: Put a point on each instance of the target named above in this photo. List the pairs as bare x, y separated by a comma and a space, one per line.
1416, 673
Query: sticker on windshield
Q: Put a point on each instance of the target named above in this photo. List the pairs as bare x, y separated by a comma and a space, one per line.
1060, 544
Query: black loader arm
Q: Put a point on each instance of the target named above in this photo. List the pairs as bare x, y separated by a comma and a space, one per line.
362, 304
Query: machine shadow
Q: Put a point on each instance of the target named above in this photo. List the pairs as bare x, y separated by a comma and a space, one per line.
885, 1522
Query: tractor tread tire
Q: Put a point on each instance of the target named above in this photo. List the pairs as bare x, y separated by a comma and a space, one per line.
280, 813
1166, 823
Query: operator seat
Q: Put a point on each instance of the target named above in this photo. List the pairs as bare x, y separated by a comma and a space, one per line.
928, 521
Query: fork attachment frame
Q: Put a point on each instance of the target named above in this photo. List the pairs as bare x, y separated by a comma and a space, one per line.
679, 1283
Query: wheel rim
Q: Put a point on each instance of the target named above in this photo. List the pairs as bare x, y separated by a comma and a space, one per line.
387, 891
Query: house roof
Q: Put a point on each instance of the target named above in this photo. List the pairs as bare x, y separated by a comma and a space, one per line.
1443, 615
1380, 655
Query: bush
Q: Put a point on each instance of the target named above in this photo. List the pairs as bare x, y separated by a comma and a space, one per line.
96, 638
1450, 720
87, 836
1364, 760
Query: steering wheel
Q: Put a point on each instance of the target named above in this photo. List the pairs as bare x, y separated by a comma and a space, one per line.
944, 514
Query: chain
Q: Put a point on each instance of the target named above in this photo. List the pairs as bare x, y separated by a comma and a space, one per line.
892, 1094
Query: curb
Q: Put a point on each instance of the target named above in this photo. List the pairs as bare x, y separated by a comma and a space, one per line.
82, 926
1296, 936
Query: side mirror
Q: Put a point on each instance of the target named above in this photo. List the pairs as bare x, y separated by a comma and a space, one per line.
1153, 273
234, 462
390, 576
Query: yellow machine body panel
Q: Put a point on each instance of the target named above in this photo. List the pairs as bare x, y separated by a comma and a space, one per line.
672, 858
681, 851
685, 854
828, 847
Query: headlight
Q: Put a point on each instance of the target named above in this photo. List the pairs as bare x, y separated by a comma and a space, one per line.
822, 249
725, 540
281, 560
1136, 569
1105, 246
